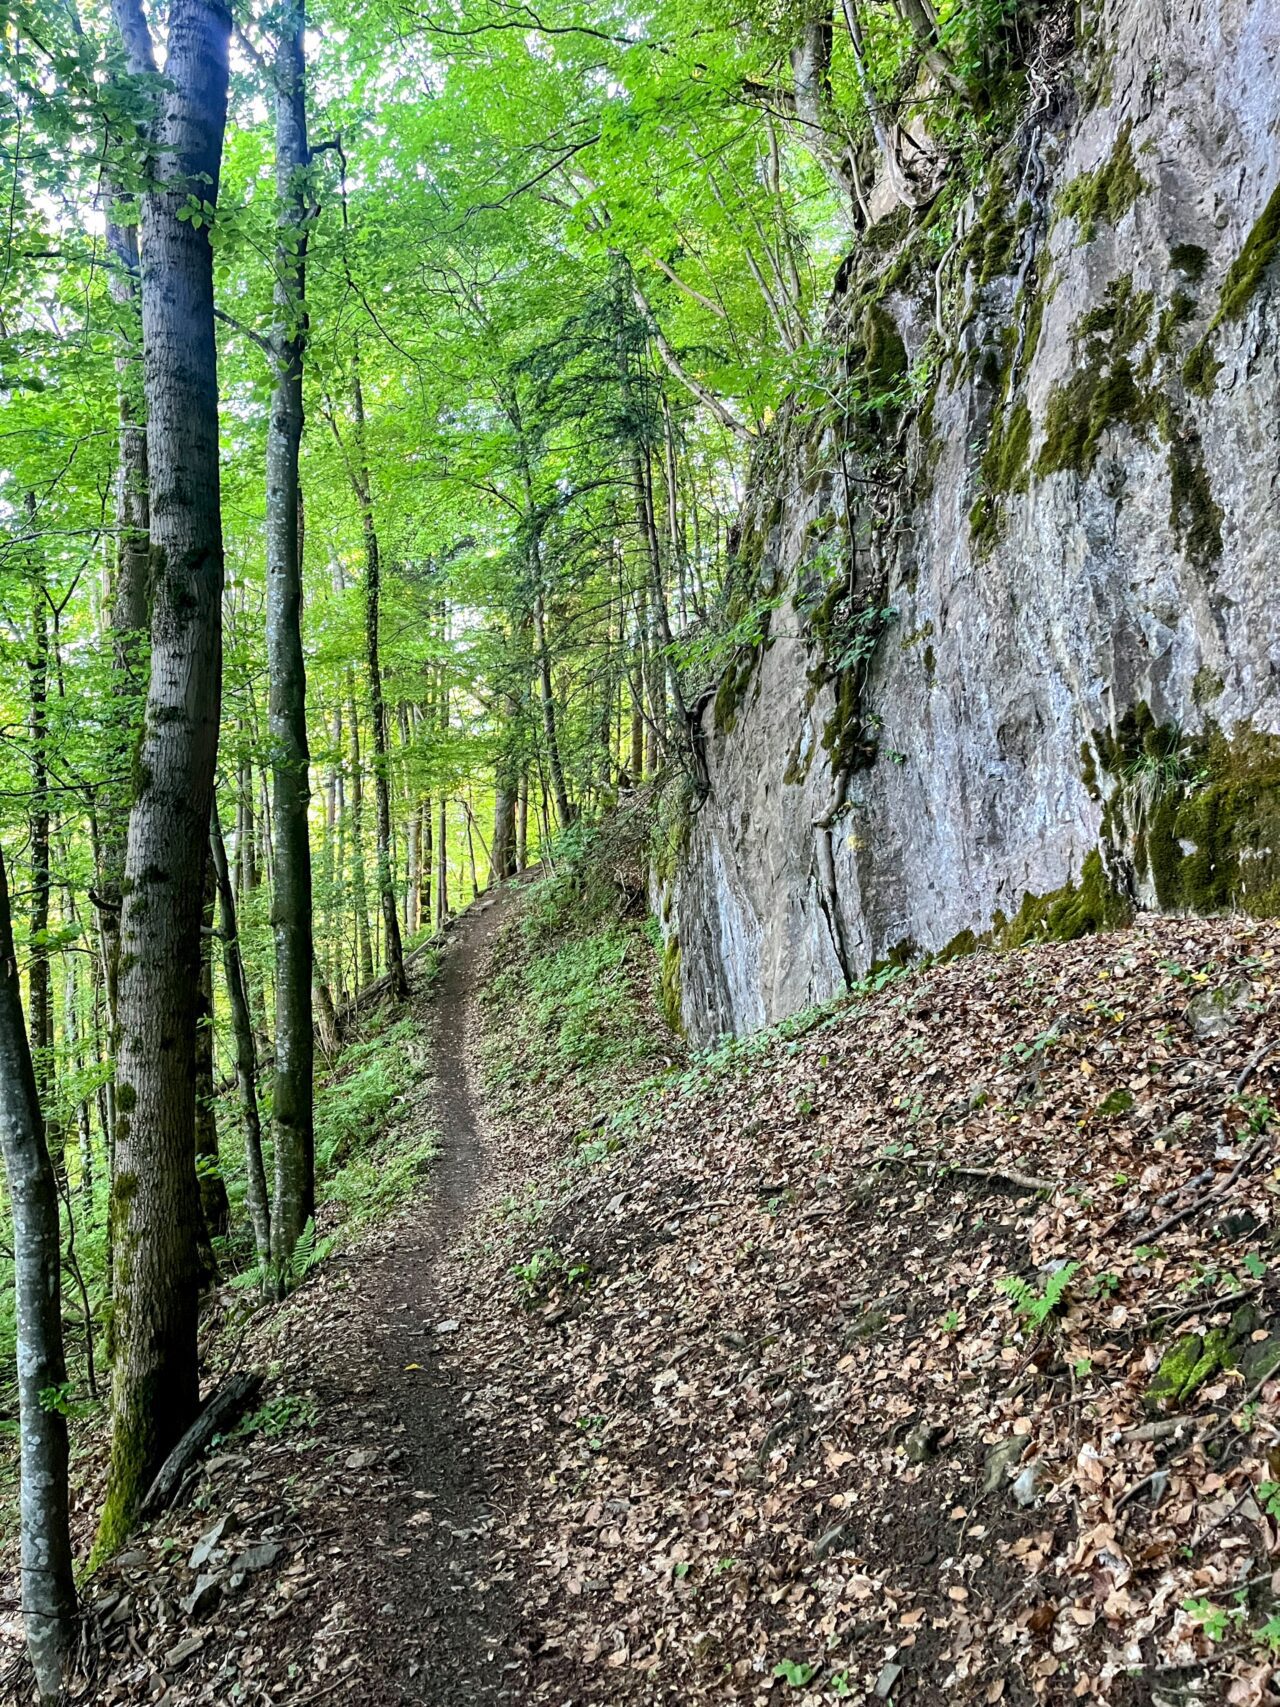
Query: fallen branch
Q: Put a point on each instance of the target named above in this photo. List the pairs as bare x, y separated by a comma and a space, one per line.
1010, 1176
226, 1404
1210, 1198
1200, 1440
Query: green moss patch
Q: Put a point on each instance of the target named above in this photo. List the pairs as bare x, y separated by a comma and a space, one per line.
1244, 275
1203, 812
1195, 518
1106, 194
1075, 910
1105, 390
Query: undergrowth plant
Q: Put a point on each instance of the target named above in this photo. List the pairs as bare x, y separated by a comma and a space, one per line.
1035, 1306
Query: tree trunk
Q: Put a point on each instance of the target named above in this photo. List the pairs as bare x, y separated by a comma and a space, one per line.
327, 1018
48, 1586
39, 969
213, 1191
424, 864
359, 888
155, 1200
246, 1053
412, 849
378, 711
128, 613
522, 823
291, 907
564, 811
503, 862
442, 866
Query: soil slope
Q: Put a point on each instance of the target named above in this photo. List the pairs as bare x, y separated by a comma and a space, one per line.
828, 1368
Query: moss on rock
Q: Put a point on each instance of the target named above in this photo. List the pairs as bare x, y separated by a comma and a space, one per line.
1075, 910
1105, 390
1244, 275
1106, 194
1194, 516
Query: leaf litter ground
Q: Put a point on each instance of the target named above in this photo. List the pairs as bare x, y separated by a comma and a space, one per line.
919, 1351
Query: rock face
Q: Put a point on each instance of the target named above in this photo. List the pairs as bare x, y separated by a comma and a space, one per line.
1020, 666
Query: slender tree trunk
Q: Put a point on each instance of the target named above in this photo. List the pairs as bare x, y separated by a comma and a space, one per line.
442, 867
155, 1200
412, 849
559, 788
425, 843
564, 810
246, 1053
522, 823
471, 852
327, 1018
506, 787
378, 711
291, 907
48, 1586
39, 969
359, 888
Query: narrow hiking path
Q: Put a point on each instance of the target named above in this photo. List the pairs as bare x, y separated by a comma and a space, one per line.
441, 1617
342, 1550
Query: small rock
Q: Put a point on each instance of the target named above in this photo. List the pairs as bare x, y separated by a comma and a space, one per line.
184, 1650
133, 1560
449, 1327
204, 1547
1027, 1483
889, 1675
260, 1557
361, 1460
1000, 1460
1213, 1013
830, 1542
122, 1610
203, 1597
922, 1443
1260, 1360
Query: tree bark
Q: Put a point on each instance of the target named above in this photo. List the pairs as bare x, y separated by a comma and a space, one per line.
442, 866
39, 968
522, 822
48, 1586
359, 887
214, 1203
128, 614
393, 952
246, 1052
291, 908
155, 1200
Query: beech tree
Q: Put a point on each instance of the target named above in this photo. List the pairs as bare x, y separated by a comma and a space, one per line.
48, 1587
155, 1200
287, 721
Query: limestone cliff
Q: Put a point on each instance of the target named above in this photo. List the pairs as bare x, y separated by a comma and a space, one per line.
1017, 558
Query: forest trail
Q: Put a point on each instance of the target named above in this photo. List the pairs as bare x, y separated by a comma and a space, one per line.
438, 1617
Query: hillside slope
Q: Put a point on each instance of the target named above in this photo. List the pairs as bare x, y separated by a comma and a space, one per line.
824, 1395
925, 1348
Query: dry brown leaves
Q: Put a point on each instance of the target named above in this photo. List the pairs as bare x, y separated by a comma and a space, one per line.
769, 1428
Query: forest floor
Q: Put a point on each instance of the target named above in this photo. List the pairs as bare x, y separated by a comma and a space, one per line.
924, 1348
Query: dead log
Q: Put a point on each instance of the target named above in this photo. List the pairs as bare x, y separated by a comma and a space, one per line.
224, 1407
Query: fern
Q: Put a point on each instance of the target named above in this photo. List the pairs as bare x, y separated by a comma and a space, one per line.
1036, 1307
308, 1252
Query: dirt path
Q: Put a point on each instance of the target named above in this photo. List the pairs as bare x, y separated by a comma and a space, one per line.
438, 1618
